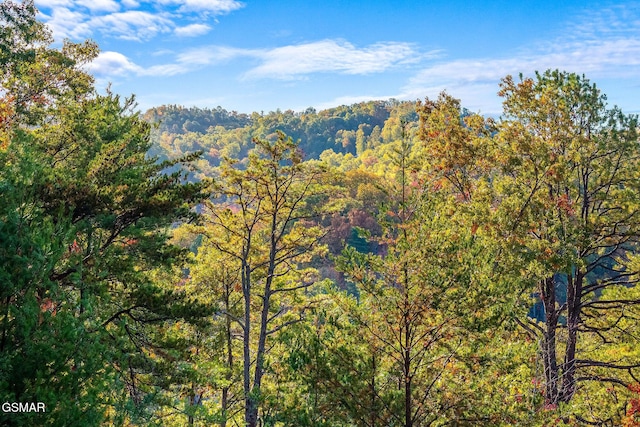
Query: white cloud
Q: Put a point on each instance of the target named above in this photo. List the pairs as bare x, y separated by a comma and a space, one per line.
208, 55
614, 21
130, 4
125, 19
605, 45
132, 24
615, 58
295, 61
99, 5
287, 62
117, 64
113, 64
165, 70
330, 56
162, 52
192, 30
66, 23
213, 6
53, 4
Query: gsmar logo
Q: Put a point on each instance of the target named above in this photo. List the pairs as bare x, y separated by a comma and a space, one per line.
23, 407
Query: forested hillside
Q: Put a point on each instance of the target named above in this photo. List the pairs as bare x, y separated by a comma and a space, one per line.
388, 263
219, 133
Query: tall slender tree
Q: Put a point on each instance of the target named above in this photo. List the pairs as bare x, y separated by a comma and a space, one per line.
404, 290
264, 221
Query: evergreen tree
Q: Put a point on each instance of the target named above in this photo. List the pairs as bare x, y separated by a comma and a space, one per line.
83, 236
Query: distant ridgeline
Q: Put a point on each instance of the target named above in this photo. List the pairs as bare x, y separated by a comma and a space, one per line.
218, 132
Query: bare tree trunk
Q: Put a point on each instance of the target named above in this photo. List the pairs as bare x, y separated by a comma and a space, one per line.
246, 340
192, 401
5, 323
549, 340
252, 409
228, 376
574, 290
407, 402
406, 357
374, 409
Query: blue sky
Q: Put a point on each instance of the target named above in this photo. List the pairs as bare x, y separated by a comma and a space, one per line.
258, 55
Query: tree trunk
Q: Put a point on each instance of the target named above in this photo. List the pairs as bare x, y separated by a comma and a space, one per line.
228, 376
251, 415
407, 402
192, 401
574, 290
374, 409
5, 324
408, 409
549, 341
246, 340
254, 397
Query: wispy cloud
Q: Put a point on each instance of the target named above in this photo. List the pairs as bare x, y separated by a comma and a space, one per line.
609, 22
300, 60
99, 5
214, 6
192, 30
283, 63
66, 23
337, 56
114, 64
213, 55
617, 57
138, 20
53, 3
132, 24
602, 45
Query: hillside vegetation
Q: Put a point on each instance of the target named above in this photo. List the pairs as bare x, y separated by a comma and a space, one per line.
219, 133
388, 263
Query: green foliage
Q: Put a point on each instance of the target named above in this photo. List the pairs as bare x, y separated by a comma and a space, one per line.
563, 154
386, 281
219, 133
548, 189
84, 242
261, 230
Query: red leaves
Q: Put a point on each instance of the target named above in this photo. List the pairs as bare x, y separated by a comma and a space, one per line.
130, 242
433, 134
474, 228
565, 205
632, 418
48, 305
74, 248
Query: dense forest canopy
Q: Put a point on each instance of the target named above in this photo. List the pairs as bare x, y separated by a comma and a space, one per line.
388, 263
218, 133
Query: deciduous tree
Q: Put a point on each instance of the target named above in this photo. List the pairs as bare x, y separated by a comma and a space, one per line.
263, 219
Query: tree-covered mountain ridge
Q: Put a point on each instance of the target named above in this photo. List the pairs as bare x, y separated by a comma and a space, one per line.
217, 132
371, 265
